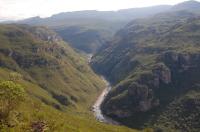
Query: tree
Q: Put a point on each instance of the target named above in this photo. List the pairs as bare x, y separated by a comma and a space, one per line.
11, 95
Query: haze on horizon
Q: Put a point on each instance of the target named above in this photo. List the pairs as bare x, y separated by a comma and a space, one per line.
20, 9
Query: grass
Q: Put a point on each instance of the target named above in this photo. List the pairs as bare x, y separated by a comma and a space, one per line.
33, 110
60, 86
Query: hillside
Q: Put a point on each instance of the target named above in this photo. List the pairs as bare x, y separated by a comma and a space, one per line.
43, 58
88, 30
153, 65
85, 39
60, 86
149, 59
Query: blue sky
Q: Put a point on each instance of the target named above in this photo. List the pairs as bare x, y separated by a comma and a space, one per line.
19, 9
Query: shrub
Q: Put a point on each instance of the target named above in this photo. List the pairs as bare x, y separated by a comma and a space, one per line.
11, 94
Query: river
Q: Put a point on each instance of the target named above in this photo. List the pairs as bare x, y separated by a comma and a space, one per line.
96, 108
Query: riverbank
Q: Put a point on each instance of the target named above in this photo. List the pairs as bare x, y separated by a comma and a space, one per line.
97, 106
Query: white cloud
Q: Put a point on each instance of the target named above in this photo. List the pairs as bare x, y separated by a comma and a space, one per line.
17, 9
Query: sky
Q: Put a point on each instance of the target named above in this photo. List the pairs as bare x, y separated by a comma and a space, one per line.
19, 9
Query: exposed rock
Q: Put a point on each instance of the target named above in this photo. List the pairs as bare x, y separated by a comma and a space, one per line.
45, 34
139, 98
162, 73
141, 95
181, 61
145, 105
121, 113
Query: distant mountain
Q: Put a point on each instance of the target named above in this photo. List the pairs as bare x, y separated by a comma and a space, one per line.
32, 21
188, 5
121, 15
102, 24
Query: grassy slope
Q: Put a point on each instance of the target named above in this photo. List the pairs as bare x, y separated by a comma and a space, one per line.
54, 76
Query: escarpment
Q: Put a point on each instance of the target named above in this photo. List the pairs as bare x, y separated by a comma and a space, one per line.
151, 63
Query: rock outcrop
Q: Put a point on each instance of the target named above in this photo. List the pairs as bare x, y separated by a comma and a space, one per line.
140, 96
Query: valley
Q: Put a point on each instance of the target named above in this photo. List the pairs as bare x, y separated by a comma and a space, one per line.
59, 85
131, 70
96, 108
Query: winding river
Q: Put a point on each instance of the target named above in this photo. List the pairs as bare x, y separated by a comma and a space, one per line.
96, 108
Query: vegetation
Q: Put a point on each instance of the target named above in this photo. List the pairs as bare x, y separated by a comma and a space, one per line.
181, 113
85, 39
50, 64
87, 31
59, 86
11, 95
152, 64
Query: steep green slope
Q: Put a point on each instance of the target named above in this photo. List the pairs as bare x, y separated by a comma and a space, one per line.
153, 63
44, 59
60, 86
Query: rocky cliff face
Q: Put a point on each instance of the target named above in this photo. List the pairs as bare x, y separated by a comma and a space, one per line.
51, 45
150, 63
176, 73
141, 93
181, 61
139, 96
